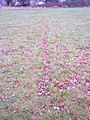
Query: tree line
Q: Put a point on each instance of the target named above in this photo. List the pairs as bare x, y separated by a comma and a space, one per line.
46, 3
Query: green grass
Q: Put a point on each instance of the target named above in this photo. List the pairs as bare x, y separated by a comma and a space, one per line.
22, 64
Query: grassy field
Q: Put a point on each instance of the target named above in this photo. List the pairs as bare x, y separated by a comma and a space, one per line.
44, 64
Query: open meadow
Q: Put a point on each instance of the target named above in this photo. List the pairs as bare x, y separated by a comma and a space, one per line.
45, 64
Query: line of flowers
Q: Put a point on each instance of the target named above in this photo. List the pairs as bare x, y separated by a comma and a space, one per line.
43, 88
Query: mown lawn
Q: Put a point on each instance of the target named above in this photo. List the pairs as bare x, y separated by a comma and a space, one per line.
44, 64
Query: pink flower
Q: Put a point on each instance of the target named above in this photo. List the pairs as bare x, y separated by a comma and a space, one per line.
14, 94
16, 85
88, 93
56, 108
27, 95
40, 93
4, 98
15, 110
75, 99
49, 111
